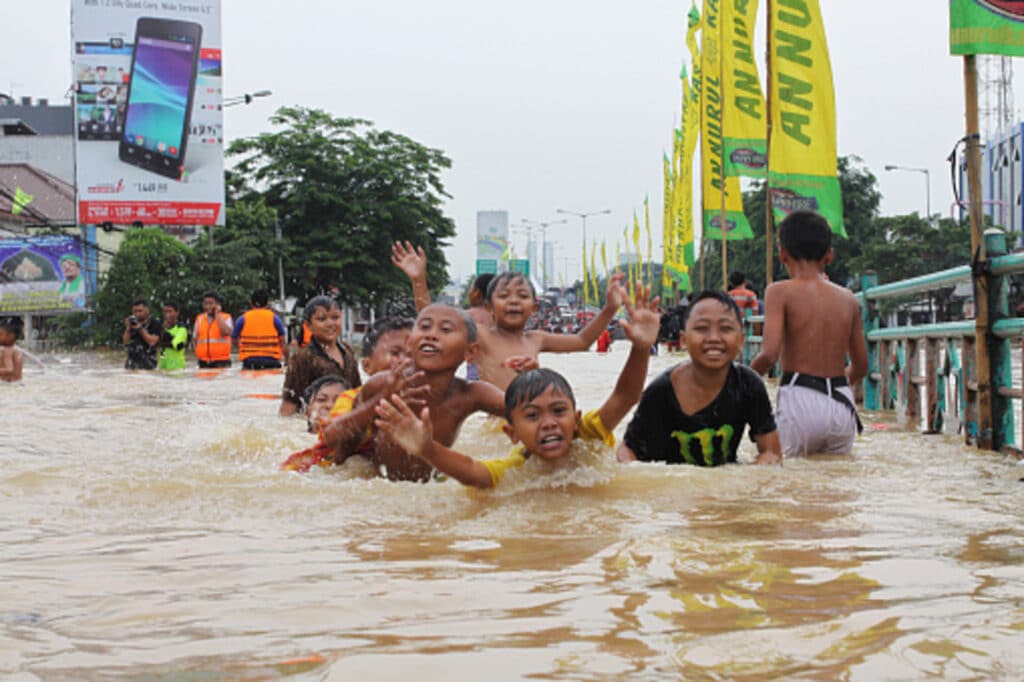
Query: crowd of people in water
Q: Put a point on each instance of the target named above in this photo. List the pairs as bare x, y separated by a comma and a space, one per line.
405, 416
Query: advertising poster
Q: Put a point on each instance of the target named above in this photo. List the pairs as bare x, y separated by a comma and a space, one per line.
149, 135
42, 275
491, 235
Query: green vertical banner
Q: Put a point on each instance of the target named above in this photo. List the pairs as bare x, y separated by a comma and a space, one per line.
986, 27
744, 121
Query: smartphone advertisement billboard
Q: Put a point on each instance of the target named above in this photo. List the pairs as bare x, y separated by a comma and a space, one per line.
149, 134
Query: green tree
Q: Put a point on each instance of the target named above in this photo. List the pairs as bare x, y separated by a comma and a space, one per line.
149, 265
342, 193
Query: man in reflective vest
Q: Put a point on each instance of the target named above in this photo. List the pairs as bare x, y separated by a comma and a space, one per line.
211, 334
173, 340
260, 335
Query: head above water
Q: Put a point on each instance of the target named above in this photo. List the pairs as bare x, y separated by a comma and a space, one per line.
12, 327
508, 279
528, 385
712, 294
805, 235
318, 303
382, 327
260, 298
737, 279
478, 289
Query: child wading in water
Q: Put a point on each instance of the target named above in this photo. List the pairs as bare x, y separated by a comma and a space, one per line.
512, 301
541, 412
695, 413
813, 325
11, 360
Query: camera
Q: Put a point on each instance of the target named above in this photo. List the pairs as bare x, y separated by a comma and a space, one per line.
133, 320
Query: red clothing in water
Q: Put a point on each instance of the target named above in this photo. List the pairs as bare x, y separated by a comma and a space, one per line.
745, 300
604, 342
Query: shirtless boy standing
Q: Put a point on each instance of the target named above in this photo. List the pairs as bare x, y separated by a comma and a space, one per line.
813, 325
511, 299
11, 360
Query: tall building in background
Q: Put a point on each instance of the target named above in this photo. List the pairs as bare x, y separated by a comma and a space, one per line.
548, 271
491, 240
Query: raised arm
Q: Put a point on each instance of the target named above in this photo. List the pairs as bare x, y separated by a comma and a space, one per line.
642, 331
416, 436
568, 343
413, 262
774, 323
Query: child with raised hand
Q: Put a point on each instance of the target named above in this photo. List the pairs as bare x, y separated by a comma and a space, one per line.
813, 325
541, 412
11, 360
696, 412
511, 300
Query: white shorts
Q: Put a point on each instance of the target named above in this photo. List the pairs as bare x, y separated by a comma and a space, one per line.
811, 422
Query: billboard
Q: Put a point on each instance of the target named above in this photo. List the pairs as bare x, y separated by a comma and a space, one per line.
42, 275
149, 134
491, 235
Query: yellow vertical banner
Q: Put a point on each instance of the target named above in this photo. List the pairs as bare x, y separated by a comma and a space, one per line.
668, 251
802, 158
650, 241
586, 279
745, 150
593, 274
604, 260
715, 182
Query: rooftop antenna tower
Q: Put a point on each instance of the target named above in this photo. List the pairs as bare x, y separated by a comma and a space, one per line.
997, 109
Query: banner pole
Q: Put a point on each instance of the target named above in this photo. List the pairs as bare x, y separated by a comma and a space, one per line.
980, 255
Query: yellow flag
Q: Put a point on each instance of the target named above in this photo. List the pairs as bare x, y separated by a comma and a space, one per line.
650, 241
604, 260
586, 277
21, 200
715, 182
744, 116
802, 158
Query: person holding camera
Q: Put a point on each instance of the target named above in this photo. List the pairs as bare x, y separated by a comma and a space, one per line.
141, 335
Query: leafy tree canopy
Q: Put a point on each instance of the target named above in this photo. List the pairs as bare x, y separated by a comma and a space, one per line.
342, 193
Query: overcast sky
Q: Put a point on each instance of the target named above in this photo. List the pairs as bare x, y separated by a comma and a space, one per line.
544, 104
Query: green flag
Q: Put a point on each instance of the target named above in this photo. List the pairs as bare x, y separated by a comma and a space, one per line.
21, 200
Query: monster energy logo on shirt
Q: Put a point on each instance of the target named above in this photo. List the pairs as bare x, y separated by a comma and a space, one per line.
714, 445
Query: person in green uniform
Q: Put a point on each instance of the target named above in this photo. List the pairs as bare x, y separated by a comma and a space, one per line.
173, 340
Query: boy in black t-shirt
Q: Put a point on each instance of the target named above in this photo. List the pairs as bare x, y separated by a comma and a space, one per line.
695, 412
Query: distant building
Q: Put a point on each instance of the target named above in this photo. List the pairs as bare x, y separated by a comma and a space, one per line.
38, 134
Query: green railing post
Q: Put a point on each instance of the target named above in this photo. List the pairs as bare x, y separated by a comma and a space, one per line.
1001, 371
869, 317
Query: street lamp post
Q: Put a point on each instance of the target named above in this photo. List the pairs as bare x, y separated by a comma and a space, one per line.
247, 98
583, 217
927, 186
543, 225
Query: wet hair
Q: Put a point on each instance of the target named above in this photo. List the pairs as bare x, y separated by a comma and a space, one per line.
737, 278
482, 283
529, 385
140, 301
720, 296
805, 235
172, 304
317, 302
214, 295
13, 325
505, 279
382, 327
260, 298
314, 388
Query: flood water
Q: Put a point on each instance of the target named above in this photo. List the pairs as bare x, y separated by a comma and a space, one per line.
146, 533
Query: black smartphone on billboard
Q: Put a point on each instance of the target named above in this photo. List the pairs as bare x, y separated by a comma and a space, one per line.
165, 61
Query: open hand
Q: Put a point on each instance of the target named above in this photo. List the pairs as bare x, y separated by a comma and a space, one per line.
644, 320
411, 261
396, 419
407, 383
617, 295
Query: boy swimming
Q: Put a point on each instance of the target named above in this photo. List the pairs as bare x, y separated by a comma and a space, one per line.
512, 301
11, 361
813, 325
541, 412
695, 412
